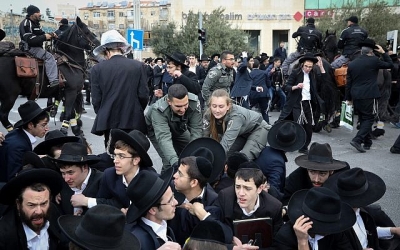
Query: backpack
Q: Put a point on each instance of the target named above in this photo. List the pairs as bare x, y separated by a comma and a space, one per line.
340, 75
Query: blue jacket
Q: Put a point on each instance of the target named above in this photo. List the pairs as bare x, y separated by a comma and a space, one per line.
243, 81
12, 152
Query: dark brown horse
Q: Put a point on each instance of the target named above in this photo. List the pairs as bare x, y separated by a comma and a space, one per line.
71, 45
329, 46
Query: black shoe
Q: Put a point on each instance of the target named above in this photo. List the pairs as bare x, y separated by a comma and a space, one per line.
367, 147
54, 84
88, 103
394, 150
358, 146
303, 151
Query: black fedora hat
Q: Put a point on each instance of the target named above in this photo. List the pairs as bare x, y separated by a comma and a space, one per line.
2, 34
308, 57
288, 136
324, 208
368, 42
102, 227
319, 158
29, 111
357, 187
159, 58
53, 138
33, 159
204, 57
179, 58
209, 149
144, 190
75, 153
137, 140
214, 55
27, 177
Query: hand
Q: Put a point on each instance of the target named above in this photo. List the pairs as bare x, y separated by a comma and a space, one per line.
300, 85
301, 227
239, 246
186, 206
244, 54
58, 198
124, 210
48, 36
79, 200
196, 208
319, 63
259, 89
379, 49
395, 231
350, 103
158, 93
177, 73
170, 246
54, 35
78, 212
272, 70
2, 138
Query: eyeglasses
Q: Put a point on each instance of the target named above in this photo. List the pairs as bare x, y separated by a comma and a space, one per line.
170, 202
120, 156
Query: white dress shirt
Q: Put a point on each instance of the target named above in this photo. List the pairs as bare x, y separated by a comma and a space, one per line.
305, 91
37, 241
80, 191
254, 209
32, 138
159, 229
314, 241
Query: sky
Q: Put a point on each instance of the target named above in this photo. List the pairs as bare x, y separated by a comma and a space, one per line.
17, 5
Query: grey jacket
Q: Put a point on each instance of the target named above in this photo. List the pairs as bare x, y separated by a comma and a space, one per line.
219, 77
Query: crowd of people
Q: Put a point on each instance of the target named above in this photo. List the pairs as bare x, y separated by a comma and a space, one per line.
223, 162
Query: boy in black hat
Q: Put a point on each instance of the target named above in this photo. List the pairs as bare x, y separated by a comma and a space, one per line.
33, 123
32, 39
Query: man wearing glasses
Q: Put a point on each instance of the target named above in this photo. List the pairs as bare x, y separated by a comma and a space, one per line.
303, 101
220, 76
129, 152
153, 204
33, 123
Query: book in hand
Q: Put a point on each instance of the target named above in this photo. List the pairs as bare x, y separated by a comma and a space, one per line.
259, 230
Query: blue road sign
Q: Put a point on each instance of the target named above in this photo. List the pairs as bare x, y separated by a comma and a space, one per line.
135, 38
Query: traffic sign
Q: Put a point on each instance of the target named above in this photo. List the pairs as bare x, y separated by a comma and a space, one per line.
135, 38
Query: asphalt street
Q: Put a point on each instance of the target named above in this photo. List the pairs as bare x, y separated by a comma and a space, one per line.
378, 160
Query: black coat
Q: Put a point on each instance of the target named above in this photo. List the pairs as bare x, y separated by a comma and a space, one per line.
243, 81
90, 191
148, 239
119, 94
362, 76
157, 76
201, 74
286, 239
12, 236
269, 207
189, 80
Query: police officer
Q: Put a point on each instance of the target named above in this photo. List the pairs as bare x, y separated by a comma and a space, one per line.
310, 41
174, 121
220, 76
349, 40
63, 26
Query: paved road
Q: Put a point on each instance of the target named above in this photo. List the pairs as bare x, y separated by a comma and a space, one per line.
378, 160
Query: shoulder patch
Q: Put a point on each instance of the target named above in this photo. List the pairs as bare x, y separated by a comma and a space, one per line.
230, 123
193, 97
212, 74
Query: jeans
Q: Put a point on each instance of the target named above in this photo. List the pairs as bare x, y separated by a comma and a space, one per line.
282, 95
49, 62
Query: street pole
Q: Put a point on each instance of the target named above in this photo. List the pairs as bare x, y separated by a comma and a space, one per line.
200, 27
11, 24
137, 25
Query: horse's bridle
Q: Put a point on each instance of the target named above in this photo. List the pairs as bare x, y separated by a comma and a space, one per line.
81, 35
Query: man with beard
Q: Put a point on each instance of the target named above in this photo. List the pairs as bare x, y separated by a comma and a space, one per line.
30, 221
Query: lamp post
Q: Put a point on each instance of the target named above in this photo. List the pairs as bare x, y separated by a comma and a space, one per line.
137, 25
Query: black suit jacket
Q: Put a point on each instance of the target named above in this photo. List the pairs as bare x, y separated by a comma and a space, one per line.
91, 191
147, 237
12, 152
12, 234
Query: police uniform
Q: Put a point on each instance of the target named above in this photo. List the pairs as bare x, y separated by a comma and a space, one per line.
219, 77
170, 133
245, 131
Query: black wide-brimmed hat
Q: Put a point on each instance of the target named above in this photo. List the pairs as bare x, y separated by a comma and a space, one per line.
214, 55
319, 158
2, 34
75, 153
159, 58
64, 21
212, 231
53, 138
27, 177
102, 227
209, 149
324, 208
357, 187
137, 140
308, 57
179, 58
368, 42
29, 111
204, 57
288, 136
32, 159
144, 190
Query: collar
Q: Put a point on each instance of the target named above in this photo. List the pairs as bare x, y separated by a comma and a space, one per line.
30, 234
30, 136
198, 197
314, 241
126, 184
84, 184
254, 209
159, 229
305, 72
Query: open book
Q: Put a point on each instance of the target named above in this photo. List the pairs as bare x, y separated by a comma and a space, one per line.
259, 230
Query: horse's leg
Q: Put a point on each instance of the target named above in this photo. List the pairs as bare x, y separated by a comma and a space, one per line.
5, 107
78, 108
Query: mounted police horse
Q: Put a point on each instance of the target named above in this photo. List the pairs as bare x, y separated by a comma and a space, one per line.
70, 56
329, 46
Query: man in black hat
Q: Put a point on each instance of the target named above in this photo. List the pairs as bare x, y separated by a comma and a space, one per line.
310, 41
30, 222
362, 89
318, 220
314, 169
158, 72
214, 60
33, 123
349, 40
63, 26
173, 122
359, 189
153, 204
129, 152
32, 39
82, 183
303, 100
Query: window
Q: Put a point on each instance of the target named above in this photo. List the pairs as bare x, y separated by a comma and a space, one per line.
110, 13
164, 14
96, 26
96, 14
121, 14
111, 26
121, 26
